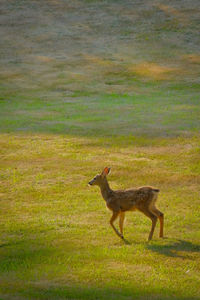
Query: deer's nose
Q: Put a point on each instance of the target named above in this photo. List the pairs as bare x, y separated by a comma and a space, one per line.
90, 182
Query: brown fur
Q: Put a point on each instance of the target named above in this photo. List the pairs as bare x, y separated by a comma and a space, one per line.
120, 201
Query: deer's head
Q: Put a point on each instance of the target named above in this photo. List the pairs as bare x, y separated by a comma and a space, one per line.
99, 178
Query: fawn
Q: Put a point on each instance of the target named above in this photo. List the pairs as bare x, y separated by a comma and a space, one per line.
120, 201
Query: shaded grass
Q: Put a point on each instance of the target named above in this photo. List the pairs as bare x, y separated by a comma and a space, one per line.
162, 113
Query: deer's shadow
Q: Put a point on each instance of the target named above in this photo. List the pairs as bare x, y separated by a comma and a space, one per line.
174, 248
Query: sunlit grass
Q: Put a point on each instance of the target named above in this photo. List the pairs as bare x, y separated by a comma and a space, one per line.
55, 231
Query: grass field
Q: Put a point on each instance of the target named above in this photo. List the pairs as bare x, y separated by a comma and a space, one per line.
84, 85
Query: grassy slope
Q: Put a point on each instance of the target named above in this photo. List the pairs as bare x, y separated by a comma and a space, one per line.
87, 84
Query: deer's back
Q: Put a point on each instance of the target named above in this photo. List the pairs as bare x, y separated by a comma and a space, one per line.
132, 199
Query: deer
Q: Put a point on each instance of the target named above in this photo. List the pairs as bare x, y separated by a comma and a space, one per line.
119, 202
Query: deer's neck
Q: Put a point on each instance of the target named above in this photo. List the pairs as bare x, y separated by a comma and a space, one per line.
105, 189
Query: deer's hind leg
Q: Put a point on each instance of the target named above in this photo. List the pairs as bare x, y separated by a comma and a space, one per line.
153, 218
160, 216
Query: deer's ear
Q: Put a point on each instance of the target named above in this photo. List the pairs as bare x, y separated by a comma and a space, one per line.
106, 171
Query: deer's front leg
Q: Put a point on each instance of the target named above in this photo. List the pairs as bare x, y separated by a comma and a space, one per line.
113, 218
121, 222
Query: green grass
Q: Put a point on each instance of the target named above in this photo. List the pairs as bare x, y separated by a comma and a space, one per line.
161, 113
89, 84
